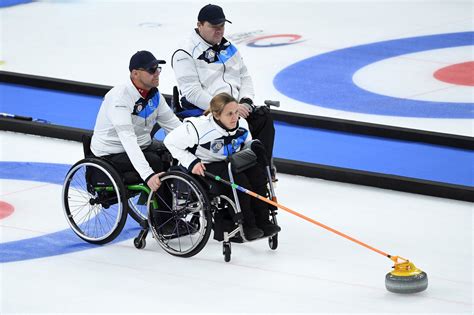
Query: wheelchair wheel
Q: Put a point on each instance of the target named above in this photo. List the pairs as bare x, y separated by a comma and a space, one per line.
273, 241
139, 243
227, 251
179, 215
94, 201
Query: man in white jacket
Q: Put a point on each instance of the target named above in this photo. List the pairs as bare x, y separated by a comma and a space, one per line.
206, 64
122, 133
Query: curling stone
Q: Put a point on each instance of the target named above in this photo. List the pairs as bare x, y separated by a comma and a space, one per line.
406, 278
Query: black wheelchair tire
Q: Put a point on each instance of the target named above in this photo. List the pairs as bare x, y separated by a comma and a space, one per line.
273, 242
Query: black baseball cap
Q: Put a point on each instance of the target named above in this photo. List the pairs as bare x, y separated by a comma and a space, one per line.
143, 60
213, 14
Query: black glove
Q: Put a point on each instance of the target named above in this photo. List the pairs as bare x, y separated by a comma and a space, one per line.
247, 102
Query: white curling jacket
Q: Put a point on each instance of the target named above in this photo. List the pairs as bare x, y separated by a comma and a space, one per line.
201, 139
125, 121
203, 71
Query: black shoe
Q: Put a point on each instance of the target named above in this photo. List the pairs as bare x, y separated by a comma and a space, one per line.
236, 239
252, 233
270, 229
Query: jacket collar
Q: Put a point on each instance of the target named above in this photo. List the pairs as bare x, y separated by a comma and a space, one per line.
221, 46
134, 91
221, 129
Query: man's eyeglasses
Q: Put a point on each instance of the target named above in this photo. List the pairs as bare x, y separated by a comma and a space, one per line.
152, 70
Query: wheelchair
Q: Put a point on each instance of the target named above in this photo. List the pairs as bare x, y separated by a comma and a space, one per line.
181, 214
199, 207
97, 199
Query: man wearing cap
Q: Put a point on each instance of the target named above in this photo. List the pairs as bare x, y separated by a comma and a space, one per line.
206, 64
122, 132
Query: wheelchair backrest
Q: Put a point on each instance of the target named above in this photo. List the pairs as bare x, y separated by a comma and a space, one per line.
86, 145
182, 108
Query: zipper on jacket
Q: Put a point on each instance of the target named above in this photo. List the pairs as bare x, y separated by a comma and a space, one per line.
223, 72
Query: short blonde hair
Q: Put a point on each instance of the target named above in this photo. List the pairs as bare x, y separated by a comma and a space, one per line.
218, 103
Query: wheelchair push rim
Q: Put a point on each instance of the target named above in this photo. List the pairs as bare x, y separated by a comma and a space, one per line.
97, 214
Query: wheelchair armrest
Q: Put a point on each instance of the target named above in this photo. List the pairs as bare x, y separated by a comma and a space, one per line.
175, 103
257, 147
242, 160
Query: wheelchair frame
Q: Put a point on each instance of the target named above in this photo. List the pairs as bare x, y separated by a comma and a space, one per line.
239, 230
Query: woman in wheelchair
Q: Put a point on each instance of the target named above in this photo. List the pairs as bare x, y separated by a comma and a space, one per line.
206, 142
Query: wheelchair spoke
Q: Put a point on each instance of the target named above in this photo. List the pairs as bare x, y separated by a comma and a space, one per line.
179, 242
82, 212
188, 195
164, 223
163, 200
100, 225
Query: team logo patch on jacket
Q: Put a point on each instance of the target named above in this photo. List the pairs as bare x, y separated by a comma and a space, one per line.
216, 145
139, 105
146, 107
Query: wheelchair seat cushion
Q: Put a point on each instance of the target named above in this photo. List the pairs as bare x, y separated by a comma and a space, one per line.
98, 178
131, 178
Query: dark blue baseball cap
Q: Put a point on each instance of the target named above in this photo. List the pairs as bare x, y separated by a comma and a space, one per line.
144, 60
213, 14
